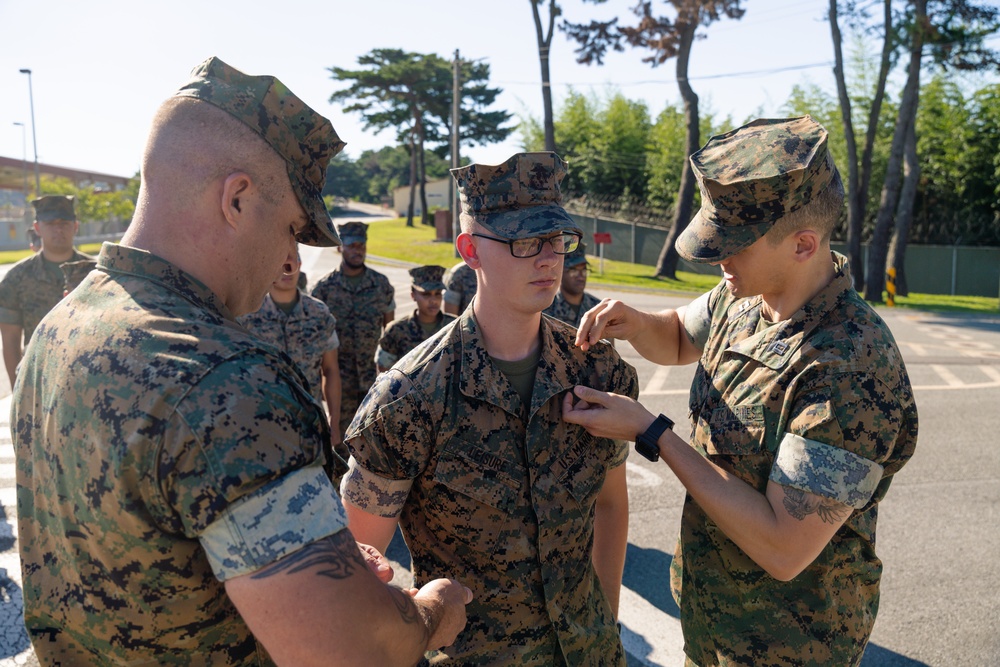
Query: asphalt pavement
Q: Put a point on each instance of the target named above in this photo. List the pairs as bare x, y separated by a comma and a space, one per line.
939, 526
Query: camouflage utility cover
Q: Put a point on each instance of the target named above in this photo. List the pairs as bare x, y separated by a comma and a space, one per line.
29, 291
564, 311
404, 334
517, 199
822, 403
750, 178
54, 207
359, 308
305, 335
161, 449
497, 496
353, 232
577, 257
427, 278
460, 285
302, 137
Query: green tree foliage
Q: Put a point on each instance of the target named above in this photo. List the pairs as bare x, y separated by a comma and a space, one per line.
112, 209
412, 93
376, 174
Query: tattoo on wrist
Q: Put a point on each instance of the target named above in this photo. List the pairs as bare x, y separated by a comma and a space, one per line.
406, 607
336, 555
801, 504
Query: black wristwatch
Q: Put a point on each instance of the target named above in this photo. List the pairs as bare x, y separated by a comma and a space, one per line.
645, 443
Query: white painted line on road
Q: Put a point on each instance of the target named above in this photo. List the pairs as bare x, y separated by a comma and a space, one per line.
666, 392
917, 348
950, 378
991, 372
650, 635
11, 561
658, 381
6, 451
8, 498
8, 471
970, 344
638, 475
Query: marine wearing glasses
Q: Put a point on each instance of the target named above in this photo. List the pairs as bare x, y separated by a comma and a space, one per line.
562, 244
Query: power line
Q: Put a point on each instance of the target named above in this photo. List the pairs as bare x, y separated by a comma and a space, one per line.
748, 73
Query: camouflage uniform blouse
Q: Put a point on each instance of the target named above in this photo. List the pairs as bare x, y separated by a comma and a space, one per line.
28, 292
460, 286
821, 403
498, 499
305, 335
176, 451
563, 310
404, 334
358, 309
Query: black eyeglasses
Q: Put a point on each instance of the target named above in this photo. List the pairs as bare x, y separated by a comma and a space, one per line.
562, 244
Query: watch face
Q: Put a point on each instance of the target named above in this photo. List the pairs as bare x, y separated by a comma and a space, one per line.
646, 449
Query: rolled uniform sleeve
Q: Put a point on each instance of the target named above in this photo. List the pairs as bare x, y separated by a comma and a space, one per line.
240, 467
389, 440
838, 437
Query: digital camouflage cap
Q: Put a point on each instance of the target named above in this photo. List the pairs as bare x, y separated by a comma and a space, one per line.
305, 139
750, 178
353, 232
54, 207
577, 257
519, 198
428, 278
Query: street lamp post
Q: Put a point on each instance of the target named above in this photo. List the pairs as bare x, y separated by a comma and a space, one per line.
34, 139
24, 160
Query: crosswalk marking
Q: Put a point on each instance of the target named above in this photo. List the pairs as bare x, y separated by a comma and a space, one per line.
950, 378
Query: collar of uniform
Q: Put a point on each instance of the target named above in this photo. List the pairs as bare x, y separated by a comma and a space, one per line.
481, 379
116, 258
775, 345
269, 306
346, 282
37, 263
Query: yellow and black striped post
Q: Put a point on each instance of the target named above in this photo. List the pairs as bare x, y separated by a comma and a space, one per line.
890, 286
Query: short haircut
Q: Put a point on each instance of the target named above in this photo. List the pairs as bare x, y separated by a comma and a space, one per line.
193, 143
820, 215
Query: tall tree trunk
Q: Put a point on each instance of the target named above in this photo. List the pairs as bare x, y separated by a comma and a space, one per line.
544, 44
904, 216
426, 217
893, 178
856, 232
413, 177
855, 207
666, 263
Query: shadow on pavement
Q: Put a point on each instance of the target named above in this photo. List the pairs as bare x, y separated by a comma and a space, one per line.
647, 572
13, 636
876, 656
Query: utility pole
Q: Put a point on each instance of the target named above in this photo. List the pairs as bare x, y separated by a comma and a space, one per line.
456, 100
34, 140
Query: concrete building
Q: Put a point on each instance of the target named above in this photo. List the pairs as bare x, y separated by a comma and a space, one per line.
437, 197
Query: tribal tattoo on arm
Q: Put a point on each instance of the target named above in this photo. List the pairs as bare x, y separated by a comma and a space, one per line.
800, 504
338, 555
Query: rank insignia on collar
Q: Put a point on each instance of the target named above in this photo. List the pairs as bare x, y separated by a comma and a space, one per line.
779, 347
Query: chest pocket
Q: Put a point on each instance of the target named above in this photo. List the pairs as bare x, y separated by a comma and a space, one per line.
582, 468
472, 498
733, 430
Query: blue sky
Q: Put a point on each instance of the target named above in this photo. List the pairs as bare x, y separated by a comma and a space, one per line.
100, 68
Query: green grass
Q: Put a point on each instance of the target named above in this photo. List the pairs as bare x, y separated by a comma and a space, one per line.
950, 304
11, 256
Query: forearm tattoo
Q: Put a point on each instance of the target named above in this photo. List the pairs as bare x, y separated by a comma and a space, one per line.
800, 504
337, 555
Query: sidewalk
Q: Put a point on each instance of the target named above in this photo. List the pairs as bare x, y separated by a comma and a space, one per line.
15, 649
